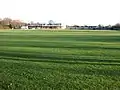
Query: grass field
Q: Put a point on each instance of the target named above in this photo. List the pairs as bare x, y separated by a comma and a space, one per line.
59, 60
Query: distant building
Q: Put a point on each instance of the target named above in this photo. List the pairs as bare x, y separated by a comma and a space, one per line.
73, 27
76, 27
50, 25
24, 27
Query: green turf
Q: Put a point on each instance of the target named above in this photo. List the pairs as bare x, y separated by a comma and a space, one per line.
59, 60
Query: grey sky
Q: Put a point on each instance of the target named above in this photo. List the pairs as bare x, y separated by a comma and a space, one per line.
81, 12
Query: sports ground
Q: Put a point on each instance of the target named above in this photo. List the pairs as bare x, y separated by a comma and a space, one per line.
59, 60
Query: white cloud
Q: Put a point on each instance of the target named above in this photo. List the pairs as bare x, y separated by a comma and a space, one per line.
91, 12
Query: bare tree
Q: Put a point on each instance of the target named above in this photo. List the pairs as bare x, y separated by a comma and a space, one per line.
6, 21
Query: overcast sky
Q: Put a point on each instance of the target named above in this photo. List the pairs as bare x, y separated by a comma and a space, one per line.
81, 12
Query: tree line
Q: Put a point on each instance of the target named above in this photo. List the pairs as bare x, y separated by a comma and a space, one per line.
116, 26
8, 23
